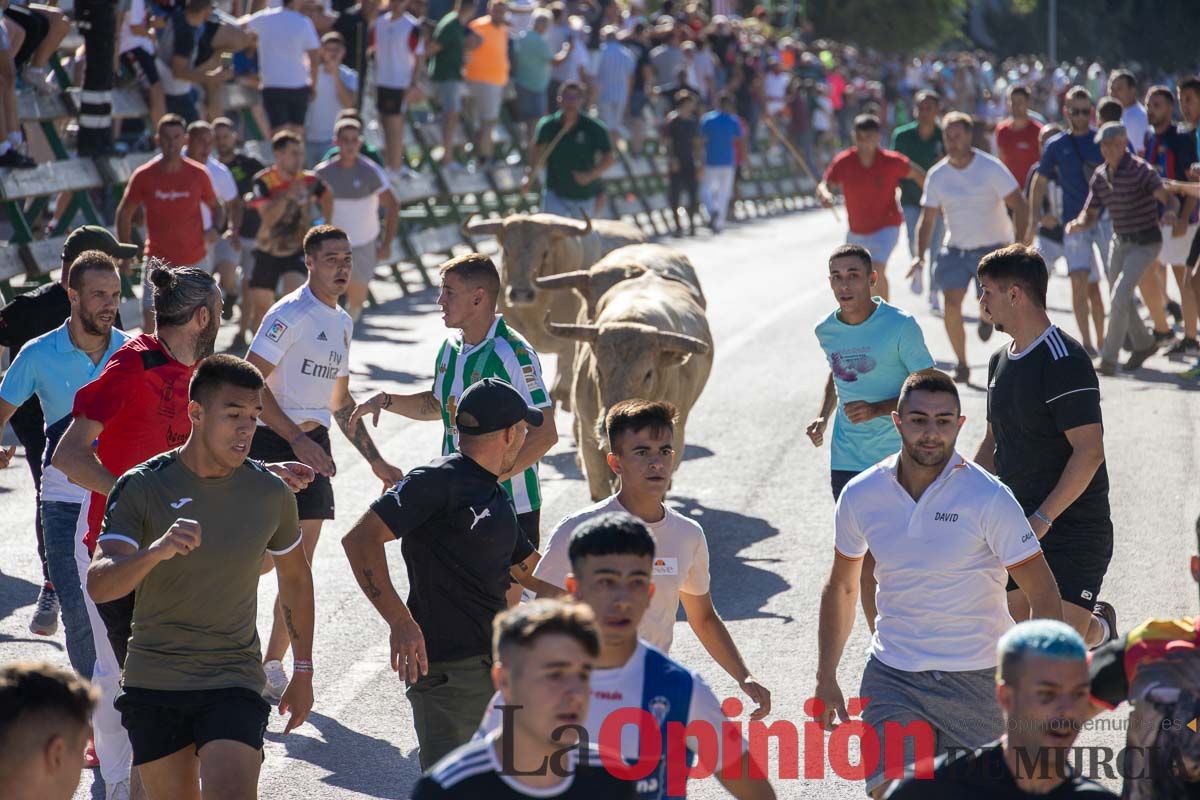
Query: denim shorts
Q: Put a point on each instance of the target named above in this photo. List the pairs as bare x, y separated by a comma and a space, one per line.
879, 244
1080, 251
956, 268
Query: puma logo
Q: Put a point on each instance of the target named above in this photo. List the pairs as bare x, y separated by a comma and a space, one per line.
487, 512
180, 503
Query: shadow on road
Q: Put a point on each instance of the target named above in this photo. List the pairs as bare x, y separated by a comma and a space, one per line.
356, 762
376, 372
564, 464
740, 588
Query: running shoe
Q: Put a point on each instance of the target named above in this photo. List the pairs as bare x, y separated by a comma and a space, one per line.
1107, 368
1184, 348
1192, 374
17, 160
1091, 351
985, 330
1106, 612
45, 616
962, 373
277, 681
1162, 337
1139, 357
918, 282
39, 79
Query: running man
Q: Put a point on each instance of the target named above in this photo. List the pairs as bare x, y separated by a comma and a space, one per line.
943, 531
612, 564
921, 141
483, 346
973, 192
190, 695
303, 351
868, 176
1041, 687
640, 435
462, 544
1068, 161
871, 346
1045, 439
543, 656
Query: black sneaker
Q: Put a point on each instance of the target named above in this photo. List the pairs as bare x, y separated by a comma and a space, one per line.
17, 160
985, 330
1184, 348
962, 373
231, 301
1161, 337
1106, 612
1138, 357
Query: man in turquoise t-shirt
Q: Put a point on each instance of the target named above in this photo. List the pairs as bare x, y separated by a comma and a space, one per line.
872, 347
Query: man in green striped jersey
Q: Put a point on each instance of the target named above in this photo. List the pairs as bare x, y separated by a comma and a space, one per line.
483, 347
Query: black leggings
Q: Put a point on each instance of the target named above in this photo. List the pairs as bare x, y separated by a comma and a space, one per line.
680, 182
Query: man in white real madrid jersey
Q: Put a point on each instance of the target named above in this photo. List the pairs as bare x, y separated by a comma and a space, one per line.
483, 347
944, 531
303, 350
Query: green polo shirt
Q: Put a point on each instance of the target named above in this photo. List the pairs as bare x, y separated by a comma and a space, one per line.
447, 63
922, 152
575, 152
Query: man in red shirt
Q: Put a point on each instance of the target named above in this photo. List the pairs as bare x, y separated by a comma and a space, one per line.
1017, 136
170, 189
869, 176
134, 411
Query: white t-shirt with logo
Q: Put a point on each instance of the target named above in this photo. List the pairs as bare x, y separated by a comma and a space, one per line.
941, 562
972, 201
285, 38
395, 56
309, 344
680, 565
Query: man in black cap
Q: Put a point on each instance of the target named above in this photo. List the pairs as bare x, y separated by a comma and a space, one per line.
28, 316
460, 543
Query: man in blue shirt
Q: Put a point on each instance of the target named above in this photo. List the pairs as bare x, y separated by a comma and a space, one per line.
1069, 160
721, 131
53, 367
872, 347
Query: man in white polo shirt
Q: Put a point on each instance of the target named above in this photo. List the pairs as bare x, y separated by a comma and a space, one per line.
640, 436
945, 534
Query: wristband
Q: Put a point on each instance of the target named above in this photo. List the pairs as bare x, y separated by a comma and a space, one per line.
1039, 515
302, 666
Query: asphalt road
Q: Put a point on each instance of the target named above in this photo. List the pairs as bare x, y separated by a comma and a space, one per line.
750, 477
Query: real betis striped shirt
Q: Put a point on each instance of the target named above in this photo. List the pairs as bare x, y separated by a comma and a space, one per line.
502, 354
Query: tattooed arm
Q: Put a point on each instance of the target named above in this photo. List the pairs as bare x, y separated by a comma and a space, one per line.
296, 599
368, 561
356, 432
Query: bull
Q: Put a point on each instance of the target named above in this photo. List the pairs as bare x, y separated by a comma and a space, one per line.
650, 340
535, 245
623, 264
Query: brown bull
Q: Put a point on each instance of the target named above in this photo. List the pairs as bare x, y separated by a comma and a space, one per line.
650, 340
537, 245
623, 264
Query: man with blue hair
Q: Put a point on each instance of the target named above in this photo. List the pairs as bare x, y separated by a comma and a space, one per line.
1042, 688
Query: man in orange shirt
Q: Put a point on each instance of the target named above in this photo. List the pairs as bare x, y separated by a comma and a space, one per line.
487, 74
1017, 136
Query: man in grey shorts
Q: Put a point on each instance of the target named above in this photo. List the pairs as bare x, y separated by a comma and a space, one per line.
357, 188
447, 50
945, 535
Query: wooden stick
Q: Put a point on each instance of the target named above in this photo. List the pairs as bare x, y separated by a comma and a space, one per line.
791, 148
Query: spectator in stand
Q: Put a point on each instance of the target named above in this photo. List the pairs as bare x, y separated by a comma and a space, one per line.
1123, 87
1017, 135
576, 151
667, 59
487, 72
869, 176
615, 77
721, 131
356, 24
447, 51
533, 60
357, 189
702, 69
136, 50
559, 37
775, 84
177, 60
336, 90
1066, 166
171, 190
682, 137
921, 142
36, 30
10, 118
399, 55
289, 55
243, 167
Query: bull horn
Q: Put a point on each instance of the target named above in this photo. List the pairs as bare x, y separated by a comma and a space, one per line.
481, 227
578, 332
681, 343
578, 279
571, 227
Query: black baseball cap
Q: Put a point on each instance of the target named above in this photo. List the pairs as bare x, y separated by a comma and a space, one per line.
493, 405
96, 237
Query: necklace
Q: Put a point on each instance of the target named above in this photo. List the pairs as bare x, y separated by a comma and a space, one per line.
103, 346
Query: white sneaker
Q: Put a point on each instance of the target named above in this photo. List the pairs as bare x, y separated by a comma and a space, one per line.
118, 791
918, 282
277, 681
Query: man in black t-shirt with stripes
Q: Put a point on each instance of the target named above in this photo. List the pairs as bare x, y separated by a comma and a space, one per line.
1045, 438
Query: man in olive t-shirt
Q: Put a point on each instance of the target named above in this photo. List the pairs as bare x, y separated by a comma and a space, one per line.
188, 530
574, 160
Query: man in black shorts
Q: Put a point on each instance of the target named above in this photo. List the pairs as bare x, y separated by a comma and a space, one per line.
42, 29
1045, 438
544, 655
303, 350
1042, 691
461, 542
188, 530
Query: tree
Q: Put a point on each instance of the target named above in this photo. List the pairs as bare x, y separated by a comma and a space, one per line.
889, 25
